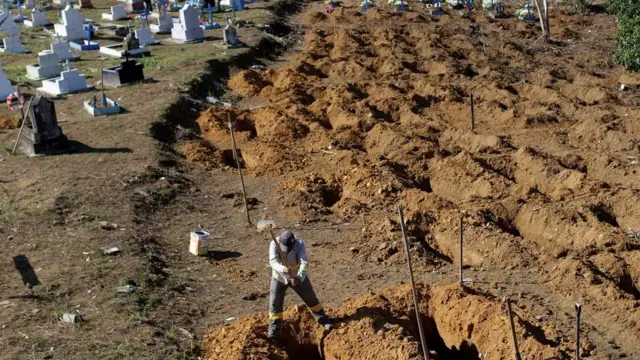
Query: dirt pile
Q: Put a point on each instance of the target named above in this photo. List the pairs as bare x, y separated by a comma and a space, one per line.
459, 324
7, 123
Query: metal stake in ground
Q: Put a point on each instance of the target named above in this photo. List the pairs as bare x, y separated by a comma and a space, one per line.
425, 351
513, 330
473, 115
235, 155
578, 310
462, 240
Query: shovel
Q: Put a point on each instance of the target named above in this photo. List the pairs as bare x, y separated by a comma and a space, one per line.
263, 225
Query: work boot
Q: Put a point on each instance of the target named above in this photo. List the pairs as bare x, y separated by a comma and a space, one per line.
326, 322
274, 329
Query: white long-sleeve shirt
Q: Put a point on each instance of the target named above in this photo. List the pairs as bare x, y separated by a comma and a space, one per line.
296, 258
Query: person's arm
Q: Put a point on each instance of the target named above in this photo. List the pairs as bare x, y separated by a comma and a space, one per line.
304, 261
275, 261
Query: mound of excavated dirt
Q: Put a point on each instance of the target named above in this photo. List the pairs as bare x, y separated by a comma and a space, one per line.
202, 152
459, 324
7, 123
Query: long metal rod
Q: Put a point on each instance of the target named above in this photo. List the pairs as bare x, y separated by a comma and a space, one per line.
24, 120
235, 155
516, 348
461, 246
578, 311
473, 115
423, 340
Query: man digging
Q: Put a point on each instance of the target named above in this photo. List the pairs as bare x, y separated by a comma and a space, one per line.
289, 261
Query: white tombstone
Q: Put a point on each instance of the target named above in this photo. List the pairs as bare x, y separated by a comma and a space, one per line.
5, 86
7, 25
13, 45
47, 67
189, 27
117, 13
29, 4
38, 18
145, 38
72, 28
62, 50
165, 21
69, 81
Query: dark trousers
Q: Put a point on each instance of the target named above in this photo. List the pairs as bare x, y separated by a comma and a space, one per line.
305, 292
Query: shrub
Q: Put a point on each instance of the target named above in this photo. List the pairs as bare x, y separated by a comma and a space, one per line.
628, 38
628, 54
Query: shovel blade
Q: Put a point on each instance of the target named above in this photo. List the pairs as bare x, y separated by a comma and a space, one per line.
265, 224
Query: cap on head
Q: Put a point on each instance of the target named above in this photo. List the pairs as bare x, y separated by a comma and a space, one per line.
287, 238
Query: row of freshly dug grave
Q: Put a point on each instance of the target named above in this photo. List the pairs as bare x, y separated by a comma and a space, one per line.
374, 110
459, 324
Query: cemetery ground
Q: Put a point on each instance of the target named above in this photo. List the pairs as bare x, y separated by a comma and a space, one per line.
368, 111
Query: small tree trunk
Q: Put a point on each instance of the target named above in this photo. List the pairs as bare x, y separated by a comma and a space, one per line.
546, 16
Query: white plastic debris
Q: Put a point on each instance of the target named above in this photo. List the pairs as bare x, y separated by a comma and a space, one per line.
112, 251
70, 318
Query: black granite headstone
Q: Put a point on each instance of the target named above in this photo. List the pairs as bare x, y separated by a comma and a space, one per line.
129, 71
41, 133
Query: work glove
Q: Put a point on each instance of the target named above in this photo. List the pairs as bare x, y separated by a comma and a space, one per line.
294, 281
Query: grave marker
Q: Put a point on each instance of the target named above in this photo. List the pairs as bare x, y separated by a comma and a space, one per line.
8, 26
231, 39
525, 13
72, 27
165, 21
134, 6
106, 107
13, 45
437, 11
47, 67
38, 18
143, 34
40, 133
84, 4
5, 86
61, 48
211, 25
70, 81
129, 47
189, 27
86, 45
19, 18
128, 72
29, 4
117, 13
366, 5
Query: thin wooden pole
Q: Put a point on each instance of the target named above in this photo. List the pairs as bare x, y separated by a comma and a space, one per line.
24, 120
423, 340
473, 115
516, 349
235, 155
578, 311
461, 243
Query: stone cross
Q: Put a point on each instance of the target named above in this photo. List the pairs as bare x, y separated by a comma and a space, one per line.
162, 7
144, 18
210, 10
89, 33
528, 7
